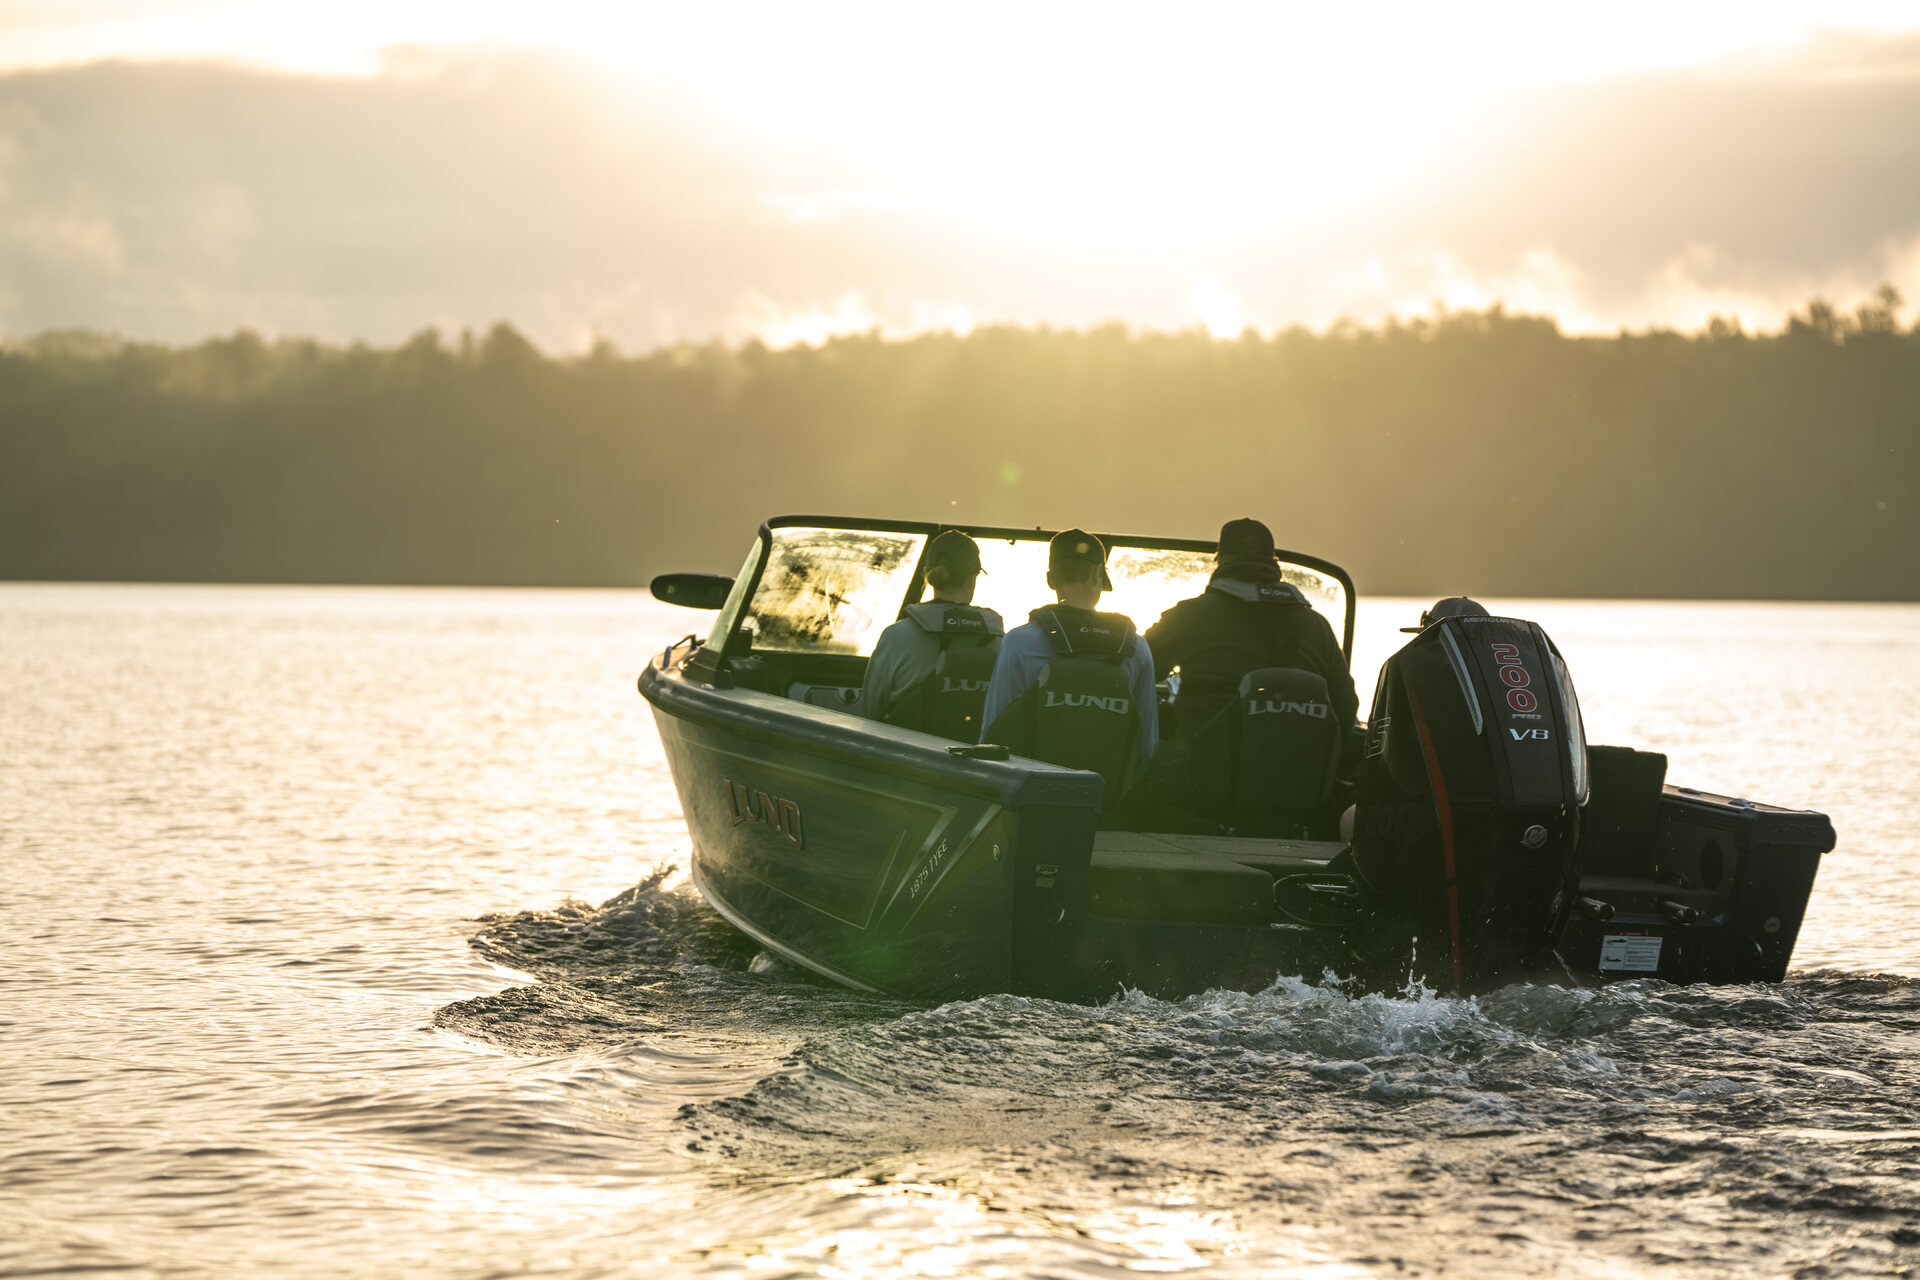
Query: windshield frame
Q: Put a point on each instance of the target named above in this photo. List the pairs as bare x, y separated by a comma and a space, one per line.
737, 607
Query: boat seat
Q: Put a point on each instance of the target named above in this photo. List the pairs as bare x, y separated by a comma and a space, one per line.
1141, 882
1623, 810
1267, 763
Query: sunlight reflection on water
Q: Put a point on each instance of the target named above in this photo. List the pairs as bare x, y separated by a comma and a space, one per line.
249, 832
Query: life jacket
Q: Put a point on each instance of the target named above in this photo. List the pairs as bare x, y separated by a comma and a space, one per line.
948, 700
1080, 712
1257, 592
1236, 626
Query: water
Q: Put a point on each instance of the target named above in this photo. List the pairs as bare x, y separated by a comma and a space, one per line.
300, 978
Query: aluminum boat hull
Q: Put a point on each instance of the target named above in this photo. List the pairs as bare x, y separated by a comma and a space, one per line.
879, 858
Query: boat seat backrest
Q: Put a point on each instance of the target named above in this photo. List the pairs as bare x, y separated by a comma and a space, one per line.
1079, 714
1266, 764
1619, 834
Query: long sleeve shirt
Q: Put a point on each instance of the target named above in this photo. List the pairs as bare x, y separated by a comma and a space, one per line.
902, 659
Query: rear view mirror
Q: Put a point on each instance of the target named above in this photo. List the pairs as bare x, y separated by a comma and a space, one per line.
692, 590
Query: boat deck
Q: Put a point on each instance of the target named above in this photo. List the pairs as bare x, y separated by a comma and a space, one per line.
1212, 879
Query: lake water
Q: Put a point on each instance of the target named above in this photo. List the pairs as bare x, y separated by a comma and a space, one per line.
300, 978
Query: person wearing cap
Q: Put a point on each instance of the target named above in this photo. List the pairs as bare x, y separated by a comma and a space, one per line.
907, 652
1246, 619
1451, 607
1077, 575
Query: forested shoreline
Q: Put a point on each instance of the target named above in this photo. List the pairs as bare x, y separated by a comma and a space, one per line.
1479, 452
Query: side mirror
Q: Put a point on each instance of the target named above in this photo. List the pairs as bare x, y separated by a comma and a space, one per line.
692, 590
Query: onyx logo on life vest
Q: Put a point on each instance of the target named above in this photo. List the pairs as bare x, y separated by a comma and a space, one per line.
757, 806
1271, 707
1119, 706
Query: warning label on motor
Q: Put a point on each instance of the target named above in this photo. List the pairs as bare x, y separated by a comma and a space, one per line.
1631, 952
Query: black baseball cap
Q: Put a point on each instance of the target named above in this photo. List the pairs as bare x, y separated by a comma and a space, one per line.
1451, 607
1077, 546
1245, 539
956, 551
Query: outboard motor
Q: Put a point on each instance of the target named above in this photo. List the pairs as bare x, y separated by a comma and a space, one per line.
1470, 800
949, 700
1266, 764
1080, 712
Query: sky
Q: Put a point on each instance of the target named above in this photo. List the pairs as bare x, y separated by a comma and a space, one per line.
648, 174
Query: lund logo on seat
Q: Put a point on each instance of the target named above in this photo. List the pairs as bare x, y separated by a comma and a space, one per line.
1318, 710
1118, 706
950, 685
757, 806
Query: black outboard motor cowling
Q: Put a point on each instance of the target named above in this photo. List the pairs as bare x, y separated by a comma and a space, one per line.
1470, 799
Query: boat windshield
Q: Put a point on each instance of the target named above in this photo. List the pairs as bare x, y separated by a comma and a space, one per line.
1146, 582
834, 590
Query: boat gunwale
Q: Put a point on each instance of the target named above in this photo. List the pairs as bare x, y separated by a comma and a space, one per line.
849, 739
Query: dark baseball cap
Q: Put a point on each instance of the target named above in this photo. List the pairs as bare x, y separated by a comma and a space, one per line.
1077, 546
1245, 539
1451, 607
956, 551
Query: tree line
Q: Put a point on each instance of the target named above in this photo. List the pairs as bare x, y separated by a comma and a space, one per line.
1477, 452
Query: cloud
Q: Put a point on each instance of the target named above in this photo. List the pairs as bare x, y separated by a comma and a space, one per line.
172, 200
811, 324
1537, 281
833, 206
1684, 293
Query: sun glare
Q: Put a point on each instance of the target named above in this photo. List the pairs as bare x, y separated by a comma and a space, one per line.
1075, 121
1165, 154
1218, 310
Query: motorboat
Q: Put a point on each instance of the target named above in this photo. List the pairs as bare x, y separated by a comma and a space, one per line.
1465, 835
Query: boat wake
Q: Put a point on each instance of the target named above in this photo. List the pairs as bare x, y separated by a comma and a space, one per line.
652, 961
1742, 1129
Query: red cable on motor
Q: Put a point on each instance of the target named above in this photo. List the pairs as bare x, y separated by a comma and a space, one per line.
1445, 812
